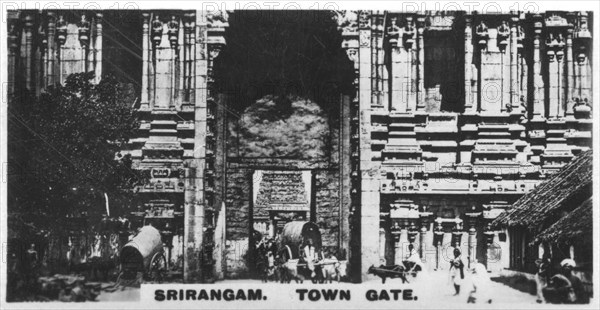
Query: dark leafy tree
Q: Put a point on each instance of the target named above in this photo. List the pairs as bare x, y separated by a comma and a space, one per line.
64, 150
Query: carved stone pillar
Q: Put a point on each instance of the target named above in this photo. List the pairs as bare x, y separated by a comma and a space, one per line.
194, 208
175, 37
369, 206
382, 243
469, 95
182, 45
583, 37
491, 255
13, 49
194, 50
27, 54
553, 67
380, 76
438, 239
145, 60
514, 85
42, 66
560, 59
183, 55
401, 246
51, 50
410, 89
570, 78
472, 236
84, 32
98, 47
209, 25
398, 102
556, 28
422, 238
156, 29
421, 69
502, 40
348, 25
538, 82
523, 68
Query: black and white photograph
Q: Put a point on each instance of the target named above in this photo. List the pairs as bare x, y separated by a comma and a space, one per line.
301, 155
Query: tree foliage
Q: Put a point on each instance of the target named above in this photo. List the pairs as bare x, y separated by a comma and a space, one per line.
63, 149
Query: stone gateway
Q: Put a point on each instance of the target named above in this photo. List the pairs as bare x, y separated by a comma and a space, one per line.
449, 119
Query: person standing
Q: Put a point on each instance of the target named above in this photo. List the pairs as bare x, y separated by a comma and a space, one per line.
32, 266
311, 256
457, 273
566, 287
542, 276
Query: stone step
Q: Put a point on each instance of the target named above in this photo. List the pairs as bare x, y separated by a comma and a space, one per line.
162, 161
185, 126
556, 140
163, 132
494, 134
163, 146
405, 126
163, 124
400, 134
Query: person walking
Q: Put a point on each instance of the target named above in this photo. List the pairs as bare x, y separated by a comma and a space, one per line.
457, 273
480, 285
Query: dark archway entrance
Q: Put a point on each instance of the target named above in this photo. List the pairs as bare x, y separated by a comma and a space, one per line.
281, 100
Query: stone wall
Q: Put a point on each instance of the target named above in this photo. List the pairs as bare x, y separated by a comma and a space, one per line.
238, 221
327, 202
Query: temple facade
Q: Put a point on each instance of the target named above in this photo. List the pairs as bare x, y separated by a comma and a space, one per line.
454, 116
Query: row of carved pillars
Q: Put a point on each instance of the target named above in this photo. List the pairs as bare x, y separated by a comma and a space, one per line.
398, 82
36, 45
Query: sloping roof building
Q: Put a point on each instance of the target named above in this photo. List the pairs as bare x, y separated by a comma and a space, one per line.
557, 215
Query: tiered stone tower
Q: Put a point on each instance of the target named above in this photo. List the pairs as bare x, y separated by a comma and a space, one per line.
176, 141
456, 115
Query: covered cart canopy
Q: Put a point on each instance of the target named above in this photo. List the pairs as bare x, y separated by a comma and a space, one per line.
137, 254
295, 235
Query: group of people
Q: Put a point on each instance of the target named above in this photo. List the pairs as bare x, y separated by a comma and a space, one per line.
278, 263
269, 256
561, 286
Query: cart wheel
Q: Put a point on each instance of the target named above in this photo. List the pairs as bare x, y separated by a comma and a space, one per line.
158, 268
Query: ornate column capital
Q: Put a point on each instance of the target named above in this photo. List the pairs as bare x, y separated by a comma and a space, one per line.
481, 31
13, 35
84, 31
504, 32
393, 31
364, 20
173, 31
408, 35
156, 30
